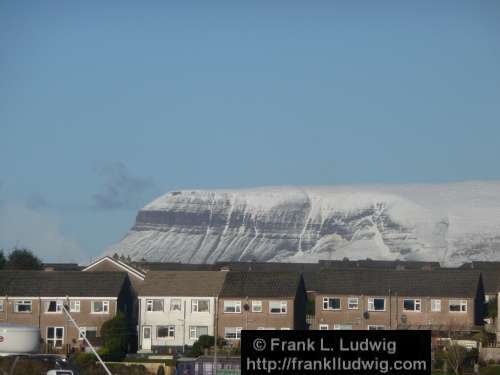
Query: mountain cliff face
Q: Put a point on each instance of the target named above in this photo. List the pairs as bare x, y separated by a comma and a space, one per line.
450, 223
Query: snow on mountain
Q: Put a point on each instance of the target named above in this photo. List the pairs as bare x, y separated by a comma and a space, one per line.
450, 223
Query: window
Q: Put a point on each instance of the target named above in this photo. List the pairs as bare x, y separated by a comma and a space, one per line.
175, 304
376, 304
53, 306
458, 305
323, 327
232, 333
100, 307
1, 305
331, 303
256, 306
88, 332
22, 306
410, 304
154, 305
55, 336
200, 305
266, 329
165, 332
376, 328
196, 331
339, 327
74, 306
353, 303
435, 305
232, 306
277, 307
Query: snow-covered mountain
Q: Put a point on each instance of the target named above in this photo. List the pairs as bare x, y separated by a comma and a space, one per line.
450, 223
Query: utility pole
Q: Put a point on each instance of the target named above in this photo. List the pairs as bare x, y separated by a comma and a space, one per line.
215, 336
65, 309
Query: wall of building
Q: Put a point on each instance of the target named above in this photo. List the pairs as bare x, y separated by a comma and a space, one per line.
391, 318
255, 320
182, 320
42, 319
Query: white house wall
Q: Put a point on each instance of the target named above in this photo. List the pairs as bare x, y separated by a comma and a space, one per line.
182, 320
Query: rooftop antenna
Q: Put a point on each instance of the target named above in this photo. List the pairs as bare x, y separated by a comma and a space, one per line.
66, 311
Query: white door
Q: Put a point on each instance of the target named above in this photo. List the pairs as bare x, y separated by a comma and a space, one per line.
146, 338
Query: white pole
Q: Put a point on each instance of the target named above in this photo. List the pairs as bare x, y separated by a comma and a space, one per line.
215, 336
86, 340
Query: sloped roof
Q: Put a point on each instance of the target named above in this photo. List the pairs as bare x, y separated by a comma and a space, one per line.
172, 266
182, 283
379, 264
261, 284
436, 283
268, 266
61, 267
131, 270
61, 283
490, 272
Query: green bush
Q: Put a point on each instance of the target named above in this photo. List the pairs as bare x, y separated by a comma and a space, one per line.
492, 308
310, 307
490, 370
83, 360
115, 335
439, 363
204, 342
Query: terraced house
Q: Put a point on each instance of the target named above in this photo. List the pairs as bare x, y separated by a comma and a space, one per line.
36, 298
399, 299
261, 300
176, 308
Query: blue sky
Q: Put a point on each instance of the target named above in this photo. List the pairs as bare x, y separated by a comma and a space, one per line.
106, 105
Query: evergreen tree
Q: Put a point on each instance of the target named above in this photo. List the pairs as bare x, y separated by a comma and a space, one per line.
23, 259
2, 260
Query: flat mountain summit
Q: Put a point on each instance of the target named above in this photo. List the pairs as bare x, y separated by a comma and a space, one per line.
450, 223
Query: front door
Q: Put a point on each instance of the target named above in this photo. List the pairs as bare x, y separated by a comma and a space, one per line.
146, 338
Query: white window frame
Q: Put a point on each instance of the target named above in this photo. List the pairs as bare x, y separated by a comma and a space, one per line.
176, 302
83, 332
417, 303
435, 305
46, 306
195, 330
195, 303
105, 307
376, 327
1, 305
21, 302
283, 307
323, 327
74, 305
170, 332
255, 304
232, 306
55, 339
236, 331
342, 327
371, 304
326, 303
353, 303
460, 302
150, 305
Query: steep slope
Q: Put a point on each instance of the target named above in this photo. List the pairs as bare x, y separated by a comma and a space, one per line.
444, 222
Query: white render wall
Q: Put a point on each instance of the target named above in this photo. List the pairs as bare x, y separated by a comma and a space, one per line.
182, 320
